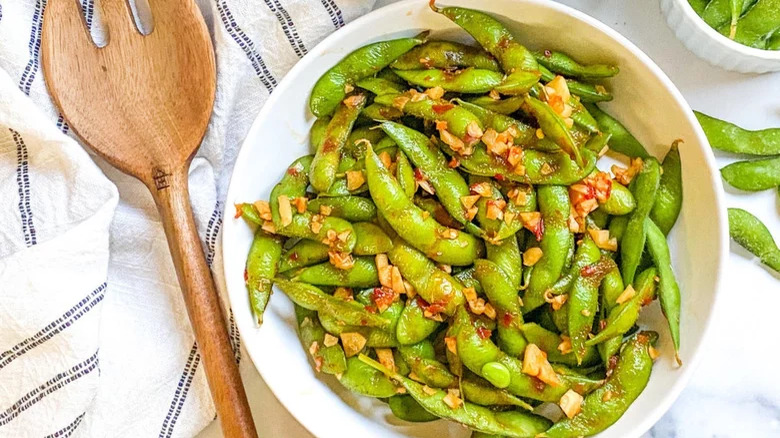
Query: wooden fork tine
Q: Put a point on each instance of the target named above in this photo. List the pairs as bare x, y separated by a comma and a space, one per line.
65, 23
118, 18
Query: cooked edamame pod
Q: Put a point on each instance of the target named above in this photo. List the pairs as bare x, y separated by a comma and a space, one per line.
750, 233
362, 274
624, 315
328, 359
561, 63
404, 173
460, 122
586, 92
304, 253
261, 267
407, 409
753, 175
445, 245
326, 159
620, 201
413, 326
370, 240
366, 380
668, 199
583, 299
351, 208
317, 133
728, 137
668, 290
501, 106
447, 55
380, 86
499, 122
550, 342
622, 141
330, 88
553, 126
644, 187
502, 294
468, 81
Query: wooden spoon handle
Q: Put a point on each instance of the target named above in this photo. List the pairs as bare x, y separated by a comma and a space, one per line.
169, 189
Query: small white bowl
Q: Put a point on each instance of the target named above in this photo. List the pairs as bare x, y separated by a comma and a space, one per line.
709, 45
645, 100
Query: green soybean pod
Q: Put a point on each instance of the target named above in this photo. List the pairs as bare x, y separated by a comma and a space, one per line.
617, 227
365, 380
317, 133
468, 81
668, 199
604, 406
468, 278
644, 187
413, 326
586, 92
502, 294
329, 360
583, 299
351, 208
261, 267
556, 242
406, 408
330, 88
362, 274
750, 233
553, 127
500, 122
753, 175
610, 289
620, 201
326, 159
622, 141
377, 111
668, 290
501, 106
304, 253
728, 137
446, 55
404, 173
563, 64
380, 86
370, 239
548, 341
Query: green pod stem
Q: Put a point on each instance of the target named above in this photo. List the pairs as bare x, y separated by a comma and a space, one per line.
668, 199
350, 208
304, 253
377, 111
380, 86
541, 168
446, 55
727, 137
371, 240
317, 133
505, 106
556, 243
328, 155
433, 285
753, 176
756, 25
493, 36
362, 274
412, 225
330, 360
622, 202
413, 326
668, 289
421, 359
404, 407
502, 294
366, 380
330, 88
404, 173
500, 122
644, 187
458, 119
375, 337
563, 64
623, 386
553, 126
437, 211
475, 351
548, 341
750, 233
467, 81
588, 93
623, 316
622, 140
583, 299
312, 298
261, 267
473, 416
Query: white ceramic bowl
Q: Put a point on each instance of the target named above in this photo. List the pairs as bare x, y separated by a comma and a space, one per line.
710, 45
646, 101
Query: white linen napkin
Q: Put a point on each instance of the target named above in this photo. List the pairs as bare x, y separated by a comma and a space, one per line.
94, 337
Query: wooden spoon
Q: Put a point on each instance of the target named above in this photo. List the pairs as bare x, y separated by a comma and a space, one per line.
143, 103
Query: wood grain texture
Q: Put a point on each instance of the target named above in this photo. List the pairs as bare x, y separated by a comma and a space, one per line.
143, 102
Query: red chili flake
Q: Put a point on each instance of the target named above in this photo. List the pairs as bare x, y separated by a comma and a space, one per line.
441, 108
382, 297
588, 270
421, 302
294, 256
246, 275
602, 324
504, 42
370, 309
483, 332
329, 145
293, 171
418, 174
538, 384
499, 177
506, 319
647, 301
539, 230
453, 163
435, 308
239, 211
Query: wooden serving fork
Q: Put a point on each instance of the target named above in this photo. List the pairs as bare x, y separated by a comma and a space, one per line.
143, 102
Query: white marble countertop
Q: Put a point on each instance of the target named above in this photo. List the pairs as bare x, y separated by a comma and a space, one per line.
734, 393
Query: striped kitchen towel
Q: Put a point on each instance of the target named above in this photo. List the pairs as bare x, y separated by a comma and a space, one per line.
94, 336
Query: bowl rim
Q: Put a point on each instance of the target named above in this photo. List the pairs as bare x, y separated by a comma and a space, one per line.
723, 41
722, 239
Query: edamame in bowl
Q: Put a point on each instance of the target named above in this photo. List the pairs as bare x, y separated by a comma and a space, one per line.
471, 218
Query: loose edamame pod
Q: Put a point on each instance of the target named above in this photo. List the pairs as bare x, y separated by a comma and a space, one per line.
753, 175
446, 55
404, 173
728, 137
555, 244
562, 64
261, 267
317, 133
460, 122
604, 406
668, 290
326, 159
611, 288
622, 141
750, 233
330, 88
328, 359
644, 187
442, 244
668, 199
500, 122
380, 86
